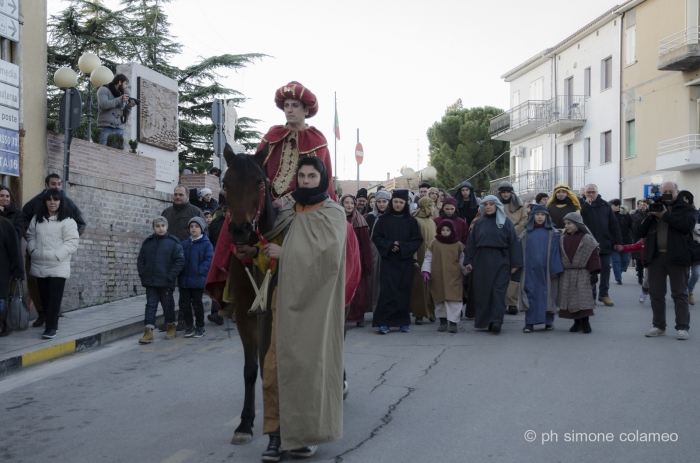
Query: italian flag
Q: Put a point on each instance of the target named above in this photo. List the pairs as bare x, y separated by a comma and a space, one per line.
336, 125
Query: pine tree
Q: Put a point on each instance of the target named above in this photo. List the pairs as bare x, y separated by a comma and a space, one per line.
140, 32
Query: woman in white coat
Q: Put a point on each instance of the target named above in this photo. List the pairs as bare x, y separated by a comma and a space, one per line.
52, 238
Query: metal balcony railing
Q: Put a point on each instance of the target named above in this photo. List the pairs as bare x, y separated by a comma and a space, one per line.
687, 36
685, 143
543, 180
522, 114
563, 107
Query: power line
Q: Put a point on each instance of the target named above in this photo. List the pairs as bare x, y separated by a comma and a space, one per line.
486, 167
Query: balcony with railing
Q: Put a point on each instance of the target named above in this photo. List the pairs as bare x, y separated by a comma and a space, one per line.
680, 51
518, 122
681, 153
562, 114
531, 182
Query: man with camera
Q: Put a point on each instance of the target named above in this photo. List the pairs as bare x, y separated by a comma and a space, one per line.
668, 253
114, 107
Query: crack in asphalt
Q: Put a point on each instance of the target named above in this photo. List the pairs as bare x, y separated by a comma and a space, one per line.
386, 419
435, 361
382, 378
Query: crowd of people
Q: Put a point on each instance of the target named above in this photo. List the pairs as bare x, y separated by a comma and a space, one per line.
405, 258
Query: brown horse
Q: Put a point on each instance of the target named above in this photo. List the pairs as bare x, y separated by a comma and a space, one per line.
250, 208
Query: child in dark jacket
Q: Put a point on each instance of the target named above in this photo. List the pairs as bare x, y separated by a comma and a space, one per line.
198, 253
159, 263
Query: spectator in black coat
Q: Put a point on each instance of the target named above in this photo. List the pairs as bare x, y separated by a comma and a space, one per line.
601, 221
12, 267
10, 211
159, 263
668, 252
620, 260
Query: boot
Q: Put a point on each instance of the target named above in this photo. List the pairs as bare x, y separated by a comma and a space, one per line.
586, 326
172, 331
512, 310
576, 327
606, 300
273, 452
39, 320
147, 337
452, 327
443, 324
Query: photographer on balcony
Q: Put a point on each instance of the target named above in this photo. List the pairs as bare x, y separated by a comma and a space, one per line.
114, 107
668, 252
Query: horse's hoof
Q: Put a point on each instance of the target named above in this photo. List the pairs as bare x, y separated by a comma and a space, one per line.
240, 438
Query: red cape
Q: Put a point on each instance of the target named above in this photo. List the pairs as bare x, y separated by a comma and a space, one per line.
311, 142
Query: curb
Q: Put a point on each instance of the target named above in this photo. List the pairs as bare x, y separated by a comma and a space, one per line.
46, 354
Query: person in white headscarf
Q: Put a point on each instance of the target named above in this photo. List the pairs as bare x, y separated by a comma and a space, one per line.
493, 254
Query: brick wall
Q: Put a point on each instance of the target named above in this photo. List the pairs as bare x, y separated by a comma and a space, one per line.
101, 161
202, 181
119, 202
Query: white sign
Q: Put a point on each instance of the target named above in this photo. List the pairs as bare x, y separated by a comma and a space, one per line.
9, 28
9, 73
9, 118
165, 170
9, 95
10, 8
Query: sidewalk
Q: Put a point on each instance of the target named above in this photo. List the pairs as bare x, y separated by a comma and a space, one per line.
79, 330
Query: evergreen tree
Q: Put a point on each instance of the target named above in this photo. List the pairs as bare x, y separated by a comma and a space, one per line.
460, 146
140, 32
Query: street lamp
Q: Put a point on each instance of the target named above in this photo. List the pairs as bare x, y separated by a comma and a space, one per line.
429, 173
409, 174
71, 105
87, 63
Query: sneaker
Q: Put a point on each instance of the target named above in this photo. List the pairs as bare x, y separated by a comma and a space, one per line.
49, 334
346, 390
606, 300
495, 328
304, 452
273, 452
654, 332
619, 282
528, 329
199, 332
643, 297
189, 331
383, 330
452, 327
172, 332
691, 299
147, 337
215, 318
682, 335
512, 310
404, 329
419, 320
548, 327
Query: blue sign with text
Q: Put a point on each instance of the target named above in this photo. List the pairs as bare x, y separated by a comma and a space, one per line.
9, 141
9, 163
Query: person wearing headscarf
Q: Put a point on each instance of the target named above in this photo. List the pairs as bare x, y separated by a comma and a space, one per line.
397, 237
581, 260
467, 204
422, 305
290, 142
541, 267
517, 212
361, 302
381, 205
303, 369
562, 202
493, 254
449, 212
443, 268
434, 195
361, 198
413, 201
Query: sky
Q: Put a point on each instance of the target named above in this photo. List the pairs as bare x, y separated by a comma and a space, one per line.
395, 66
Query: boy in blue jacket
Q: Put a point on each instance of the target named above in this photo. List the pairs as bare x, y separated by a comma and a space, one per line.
159, 263
198, 253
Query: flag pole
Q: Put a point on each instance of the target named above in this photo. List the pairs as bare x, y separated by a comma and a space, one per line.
335, 138
358, 164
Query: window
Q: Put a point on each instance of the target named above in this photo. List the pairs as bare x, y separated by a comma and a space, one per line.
630, 42
631, 145
515, 163
516, 99
606, 147
587, 82
537, 89
536, 158
587, 152
606, 74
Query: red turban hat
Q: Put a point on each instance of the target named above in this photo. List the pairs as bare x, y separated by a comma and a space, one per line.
294, 90
449, 200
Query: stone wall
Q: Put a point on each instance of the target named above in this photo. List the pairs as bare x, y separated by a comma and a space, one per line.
115, 191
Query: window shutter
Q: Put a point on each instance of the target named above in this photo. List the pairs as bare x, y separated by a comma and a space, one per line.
608, 147
608, 73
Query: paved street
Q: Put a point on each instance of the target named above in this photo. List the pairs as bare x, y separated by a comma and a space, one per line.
416, 397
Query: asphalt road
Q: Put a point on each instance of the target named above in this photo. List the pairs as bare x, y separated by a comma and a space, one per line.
418, 397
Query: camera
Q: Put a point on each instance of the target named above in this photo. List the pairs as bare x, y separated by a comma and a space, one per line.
657, 199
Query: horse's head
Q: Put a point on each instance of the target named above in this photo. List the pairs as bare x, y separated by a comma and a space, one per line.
247, 195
